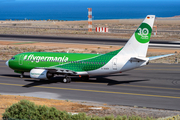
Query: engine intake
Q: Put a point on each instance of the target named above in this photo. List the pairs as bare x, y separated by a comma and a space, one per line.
40, 74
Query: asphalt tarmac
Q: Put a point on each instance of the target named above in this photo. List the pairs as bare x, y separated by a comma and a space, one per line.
81, 40
152, 86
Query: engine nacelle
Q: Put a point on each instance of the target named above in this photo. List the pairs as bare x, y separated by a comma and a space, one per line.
39, 73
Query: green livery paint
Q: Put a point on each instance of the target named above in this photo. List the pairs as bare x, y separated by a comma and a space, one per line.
77, 62
90, 63
143, 33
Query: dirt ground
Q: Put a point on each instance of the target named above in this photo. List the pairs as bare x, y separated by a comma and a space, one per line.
90, 109
62, 105
167, 28
10, 48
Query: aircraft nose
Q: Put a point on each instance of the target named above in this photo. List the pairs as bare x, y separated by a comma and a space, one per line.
7, 63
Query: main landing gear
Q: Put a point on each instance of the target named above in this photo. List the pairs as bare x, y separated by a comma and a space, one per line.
66, 79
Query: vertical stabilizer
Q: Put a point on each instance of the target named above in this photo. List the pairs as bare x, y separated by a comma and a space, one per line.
138, 43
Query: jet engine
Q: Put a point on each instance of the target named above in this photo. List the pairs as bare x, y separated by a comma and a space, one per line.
40, 74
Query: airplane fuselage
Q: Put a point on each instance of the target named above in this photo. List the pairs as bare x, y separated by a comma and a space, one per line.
83, 64
44, 65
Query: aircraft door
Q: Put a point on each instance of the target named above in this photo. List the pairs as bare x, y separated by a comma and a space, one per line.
114, 64
21, 59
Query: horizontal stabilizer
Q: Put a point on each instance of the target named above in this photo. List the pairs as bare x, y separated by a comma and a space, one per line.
138, 59
161, 56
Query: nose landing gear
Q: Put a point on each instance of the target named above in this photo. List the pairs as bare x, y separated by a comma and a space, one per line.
22, 75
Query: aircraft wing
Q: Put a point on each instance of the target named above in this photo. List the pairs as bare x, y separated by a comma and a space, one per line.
161, 56
55, 70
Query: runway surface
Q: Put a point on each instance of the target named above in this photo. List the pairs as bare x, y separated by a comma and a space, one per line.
154, 86
81, 40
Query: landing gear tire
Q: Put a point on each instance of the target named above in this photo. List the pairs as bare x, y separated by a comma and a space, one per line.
67, 80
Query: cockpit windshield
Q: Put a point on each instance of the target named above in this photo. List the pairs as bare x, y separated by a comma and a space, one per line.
12, 58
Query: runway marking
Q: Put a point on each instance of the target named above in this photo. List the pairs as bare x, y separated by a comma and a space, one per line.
95, 91
151, 87
8, 77
15, 77
115, 84
135, 86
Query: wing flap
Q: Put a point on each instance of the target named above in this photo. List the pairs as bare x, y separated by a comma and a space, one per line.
55, 70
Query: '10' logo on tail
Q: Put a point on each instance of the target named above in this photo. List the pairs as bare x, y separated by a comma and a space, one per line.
143, 33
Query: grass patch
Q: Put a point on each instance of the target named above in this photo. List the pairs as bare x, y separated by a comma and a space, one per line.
26, 110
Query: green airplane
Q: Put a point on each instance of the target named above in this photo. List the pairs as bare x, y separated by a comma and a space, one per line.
45, 65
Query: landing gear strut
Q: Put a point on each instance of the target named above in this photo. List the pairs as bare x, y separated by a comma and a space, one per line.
22, 75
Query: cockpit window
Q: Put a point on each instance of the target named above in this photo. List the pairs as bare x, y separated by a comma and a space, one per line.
12, 58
